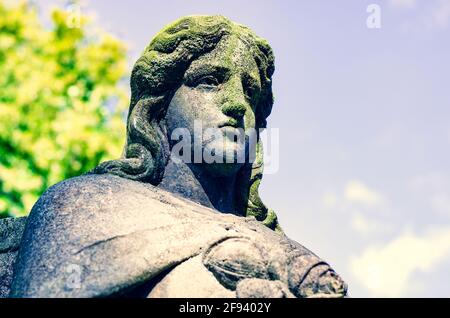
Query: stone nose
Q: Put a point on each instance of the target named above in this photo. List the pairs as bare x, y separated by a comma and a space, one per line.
234, 109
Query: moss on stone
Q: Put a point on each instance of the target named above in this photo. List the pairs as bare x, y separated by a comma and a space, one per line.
160, 71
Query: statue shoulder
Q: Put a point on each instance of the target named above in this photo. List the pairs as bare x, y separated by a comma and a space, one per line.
11, 230
85, 224
98, 235
88, 196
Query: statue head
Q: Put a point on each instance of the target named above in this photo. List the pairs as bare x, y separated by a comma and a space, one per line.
204, 69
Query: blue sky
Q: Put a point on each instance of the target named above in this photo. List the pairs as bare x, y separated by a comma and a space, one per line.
364, 120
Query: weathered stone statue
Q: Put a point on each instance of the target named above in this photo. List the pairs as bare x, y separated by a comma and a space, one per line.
146, 225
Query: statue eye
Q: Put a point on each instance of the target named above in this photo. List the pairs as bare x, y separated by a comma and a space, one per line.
207, 82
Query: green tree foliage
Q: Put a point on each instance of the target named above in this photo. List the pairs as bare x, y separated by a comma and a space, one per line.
62, 102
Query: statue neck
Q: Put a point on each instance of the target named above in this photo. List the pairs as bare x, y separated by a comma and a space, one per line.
199, 186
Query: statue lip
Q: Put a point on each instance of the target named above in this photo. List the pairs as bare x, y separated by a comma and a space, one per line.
231, 123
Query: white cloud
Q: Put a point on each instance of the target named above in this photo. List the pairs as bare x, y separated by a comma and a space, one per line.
441, 203
431, 15
388, 270
403, 4
364, 208
356, 191
368, 226
441, 14
434, 15
429, 183
433, 188
330, 200
360, 224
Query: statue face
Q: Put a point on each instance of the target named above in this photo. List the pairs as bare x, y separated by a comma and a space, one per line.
218, 95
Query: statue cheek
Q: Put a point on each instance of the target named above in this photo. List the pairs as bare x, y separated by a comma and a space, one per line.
188, 106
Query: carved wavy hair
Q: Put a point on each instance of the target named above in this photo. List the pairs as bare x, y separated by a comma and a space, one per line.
156, 76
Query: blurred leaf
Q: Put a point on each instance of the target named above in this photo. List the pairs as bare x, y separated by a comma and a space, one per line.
61, 104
